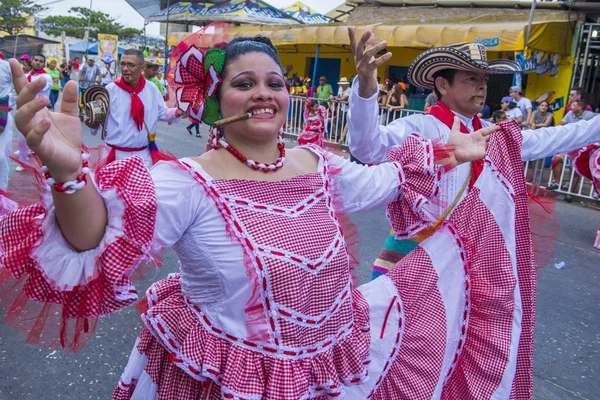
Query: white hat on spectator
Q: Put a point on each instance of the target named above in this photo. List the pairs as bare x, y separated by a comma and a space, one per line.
343, 81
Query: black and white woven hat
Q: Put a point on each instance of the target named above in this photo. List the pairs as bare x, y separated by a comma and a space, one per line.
461, 56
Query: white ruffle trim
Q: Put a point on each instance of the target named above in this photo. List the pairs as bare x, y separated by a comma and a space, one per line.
63, 266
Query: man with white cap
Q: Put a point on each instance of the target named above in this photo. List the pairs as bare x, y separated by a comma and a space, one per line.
458, 74
523, 103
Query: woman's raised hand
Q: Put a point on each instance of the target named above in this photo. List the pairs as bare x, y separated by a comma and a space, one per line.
366, 64
54, 137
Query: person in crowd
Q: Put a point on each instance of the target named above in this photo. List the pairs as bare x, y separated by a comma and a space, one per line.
74, 71
382, 95
513, 113
264, 306
65, 72
163, 81
542, 117
575, 95
310, 89
578, 113
314, 124
150, 73
523, 103
7, 103
1, 55
37, 72
341, 108
194, 123
76, 66
324, 90
429, 101
25, 61
136, 106
397, 100
107, 73
298, 88
484, 113
147, 52
55, 75
89, 74
499, 116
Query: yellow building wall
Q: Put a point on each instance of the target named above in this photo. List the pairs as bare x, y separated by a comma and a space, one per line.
553, 88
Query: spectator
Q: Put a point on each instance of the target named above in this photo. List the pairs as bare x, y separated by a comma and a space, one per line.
310, 89
324, 90
76, 64
108, 74
498, 116
298, 88
430, 100
577, 113
542, 117
342, 96
575, 95
25, 63
147, 52
55, 75
510, 108
150, 74
484, 113
382, 95
1, 55
74, 71
65, 72
163, 81
523, 103
397, 99
89, 74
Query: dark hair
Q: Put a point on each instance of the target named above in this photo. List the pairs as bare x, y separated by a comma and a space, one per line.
134, 52
390, 86
578, 89
581, 102
398, 88
40, 55
447, 74
497, 114
76, 58
243, 45
544, 101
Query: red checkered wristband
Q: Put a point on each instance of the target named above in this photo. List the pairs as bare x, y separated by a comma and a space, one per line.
70, 187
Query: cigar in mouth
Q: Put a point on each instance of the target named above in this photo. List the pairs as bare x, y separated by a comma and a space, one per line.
230, 120
478, 99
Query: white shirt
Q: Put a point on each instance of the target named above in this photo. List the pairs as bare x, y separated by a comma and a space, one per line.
523, 105
513, 114
369, 141
121, 130
6, 90
46, 90
107, 75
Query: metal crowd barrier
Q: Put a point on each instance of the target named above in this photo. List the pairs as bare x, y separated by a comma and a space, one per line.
538, 172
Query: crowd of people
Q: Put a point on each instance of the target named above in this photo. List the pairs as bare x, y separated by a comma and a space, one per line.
264, 304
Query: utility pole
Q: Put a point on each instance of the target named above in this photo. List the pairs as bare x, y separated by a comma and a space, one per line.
87, 45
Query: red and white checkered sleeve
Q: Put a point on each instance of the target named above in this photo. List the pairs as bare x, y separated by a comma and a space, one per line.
420, 183
55, 287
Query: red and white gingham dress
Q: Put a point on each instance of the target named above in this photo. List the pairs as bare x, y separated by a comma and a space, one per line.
264, 307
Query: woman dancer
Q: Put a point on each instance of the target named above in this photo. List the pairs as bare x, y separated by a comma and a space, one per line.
263, 307
314, 124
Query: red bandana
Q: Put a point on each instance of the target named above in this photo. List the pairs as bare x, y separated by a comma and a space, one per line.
34, 72
137, 107
446, 116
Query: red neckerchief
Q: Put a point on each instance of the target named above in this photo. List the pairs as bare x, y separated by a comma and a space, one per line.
446, 116
35, 72
137, 107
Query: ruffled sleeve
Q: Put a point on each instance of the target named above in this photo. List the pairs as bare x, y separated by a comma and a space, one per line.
59, 293
420, 185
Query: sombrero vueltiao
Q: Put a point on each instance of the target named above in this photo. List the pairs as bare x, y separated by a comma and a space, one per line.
96, 105
461, 56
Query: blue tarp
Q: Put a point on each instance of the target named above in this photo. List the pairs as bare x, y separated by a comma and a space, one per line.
92, 49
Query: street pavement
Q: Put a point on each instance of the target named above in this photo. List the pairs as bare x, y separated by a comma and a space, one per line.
567, 338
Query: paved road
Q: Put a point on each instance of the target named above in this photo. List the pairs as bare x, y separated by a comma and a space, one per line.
567, 359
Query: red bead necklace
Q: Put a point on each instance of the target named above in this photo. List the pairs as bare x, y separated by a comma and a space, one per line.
219, 141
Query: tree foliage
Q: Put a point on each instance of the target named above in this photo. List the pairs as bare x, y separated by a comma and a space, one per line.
14, 13
76, 24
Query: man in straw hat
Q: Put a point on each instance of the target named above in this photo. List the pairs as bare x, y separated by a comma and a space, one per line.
135, 107
458, 75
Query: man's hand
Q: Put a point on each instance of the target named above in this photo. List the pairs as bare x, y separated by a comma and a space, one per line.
364, 59
180, 114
